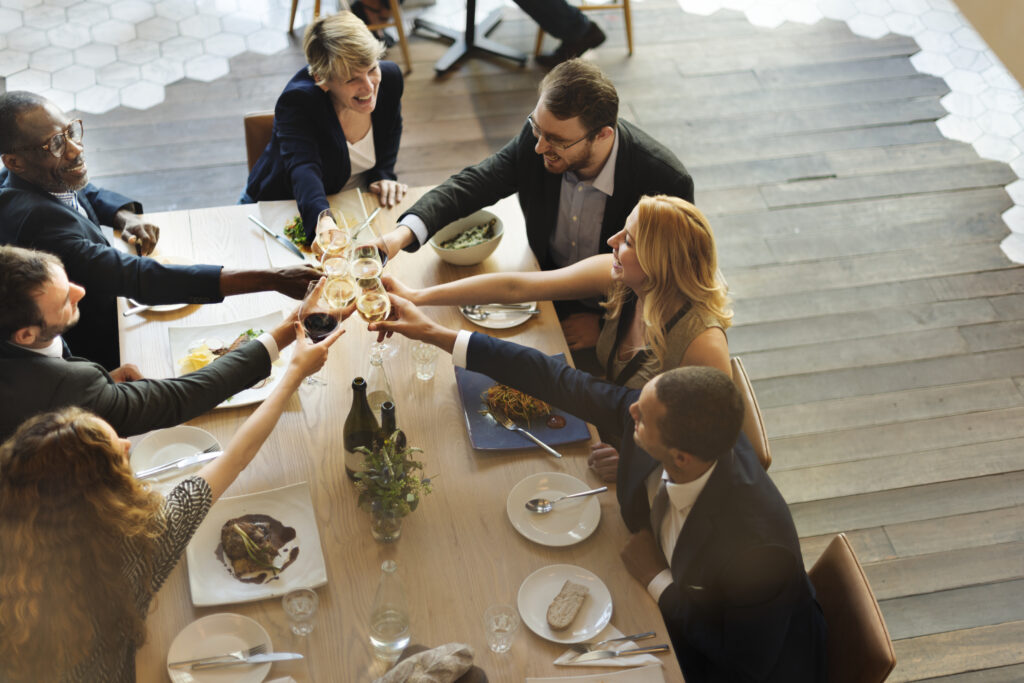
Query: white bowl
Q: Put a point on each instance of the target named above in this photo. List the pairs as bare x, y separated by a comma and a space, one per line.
470, 256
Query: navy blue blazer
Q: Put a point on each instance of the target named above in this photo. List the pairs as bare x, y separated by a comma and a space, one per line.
740, 607
31, 217
307, 156
643, 167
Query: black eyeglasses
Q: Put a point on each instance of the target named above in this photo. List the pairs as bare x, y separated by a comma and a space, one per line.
538, 133
58, 143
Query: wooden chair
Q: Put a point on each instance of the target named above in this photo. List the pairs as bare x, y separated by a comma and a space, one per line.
753, 423
618, 4
258, 128
395, 21
859, 647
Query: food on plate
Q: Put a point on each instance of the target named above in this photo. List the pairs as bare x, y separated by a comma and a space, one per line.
514, 403
251, 546
566, 605
294, 231
205, 352
478, 234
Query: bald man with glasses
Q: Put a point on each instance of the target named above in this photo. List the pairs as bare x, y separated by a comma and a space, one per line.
48, 203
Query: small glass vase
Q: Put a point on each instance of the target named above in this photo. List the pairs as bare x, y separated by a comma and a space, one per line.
385, 524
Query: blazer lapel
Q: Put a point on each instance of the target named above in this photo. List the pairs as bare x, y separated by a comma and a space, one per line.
87, 205
699, 528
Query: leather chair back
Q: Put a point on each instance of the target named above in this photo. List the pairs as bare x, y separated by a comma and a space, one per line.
753, 423
859, 647
258, 127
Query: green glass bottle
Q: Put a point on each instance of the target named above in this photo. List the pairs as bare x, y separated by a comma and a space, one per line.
360, 428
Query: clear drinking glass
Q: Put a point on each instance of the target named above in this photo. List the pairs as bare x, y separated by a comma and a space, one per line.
501, 623
425, 356
300, 606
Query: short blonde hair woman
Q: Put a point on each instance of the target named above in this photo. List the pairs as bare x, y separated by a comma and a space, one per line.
88, 545
337, 125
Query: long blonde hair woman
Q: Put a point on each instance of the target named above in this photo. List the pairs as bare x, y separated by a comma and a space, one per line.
87, 545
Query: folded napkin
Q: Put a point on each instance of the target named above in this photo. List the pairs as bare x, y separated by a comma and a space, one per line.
652, 673
610, 632
443, 664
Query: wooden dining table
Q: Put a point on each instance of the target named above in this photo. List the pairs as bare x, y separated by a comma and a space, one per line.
458, 552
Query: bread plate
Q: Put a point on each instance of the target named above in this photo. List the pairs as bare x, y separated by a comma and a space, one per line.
568, 523
163, 446
540, 588
216, 634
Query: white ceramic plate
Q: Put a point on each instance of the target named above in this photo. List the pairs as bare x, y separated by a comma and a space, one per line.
569, 522
541, 587
218, 634
500, 319
210, 580
182, 339
164, 445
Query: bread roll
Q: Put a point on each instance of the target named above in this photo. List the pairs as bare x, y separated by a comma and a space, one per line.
566, 605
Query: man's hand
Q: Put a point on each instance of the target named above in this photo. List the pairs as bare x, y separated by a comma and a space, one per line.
581, 330
393, 242
604, 460
409, 321
128, 372
140, 233
389, 192
642, 557
294, 281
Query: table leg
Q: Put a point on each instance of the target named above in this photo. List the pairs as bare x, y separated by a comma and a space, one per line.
473, 37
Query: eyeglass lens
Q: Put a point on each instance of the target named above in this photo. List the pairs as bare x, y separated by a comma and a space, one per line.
59, 141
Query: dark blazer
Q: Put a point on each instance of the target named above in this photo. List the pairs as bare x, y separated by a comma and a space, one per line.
643, 166
32, 384
33, 218
740, 607
307, 156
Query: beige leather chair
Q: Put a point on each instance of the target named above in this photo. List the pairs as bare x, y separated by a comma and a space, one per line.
395, 21
258, 127
859, 647
619, 4
753, 423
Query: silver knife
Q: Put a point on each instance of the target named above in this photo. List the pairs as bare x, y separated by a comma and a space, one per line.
141, 308
607, 654
180, 463
280, 238
251, 659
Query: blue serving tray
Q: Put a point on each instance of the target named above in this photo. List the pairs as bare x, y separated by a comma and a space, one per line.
486, 435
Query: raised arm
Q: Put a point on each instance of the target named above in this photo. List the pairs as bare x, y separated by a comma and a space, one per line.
587, 278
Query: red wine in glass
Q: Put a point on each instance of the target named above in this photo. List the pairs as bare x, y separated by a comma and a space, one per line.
319, 325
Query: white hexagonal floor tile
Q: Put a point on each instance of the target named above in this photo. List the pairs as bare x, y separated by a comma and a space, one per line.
157, 28
27, 39
181, 48
874, 8
73, 78
700, 7
12, 61
138, 51
910, 6
65, 101
50, 59
965, 81
1000, 124
43, 16
802, 12
868, 26
175, 10
118, 74
95, 54
997, 148
97, 99
959, 128
206, 68
1016, 191
972, 60
88, 13
113, 32
244, 24
1014, 218
132, 11
199, 26
29, 79
22, 4
142, 95
962, 104
932, 63
766, 16
69, 35
266, 42
1013, 247
969, 38
1004, 101
944, 22
224, 45
997, 76
163, 71
904, 24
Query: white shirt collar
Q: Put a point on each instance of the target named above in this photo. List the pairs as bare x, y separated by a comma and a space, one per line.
54, 350
605, 180
683, 496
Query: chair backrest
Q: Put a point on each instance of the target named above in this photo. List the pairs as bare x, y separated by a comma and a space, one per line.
258, 127
753, 423
859, 647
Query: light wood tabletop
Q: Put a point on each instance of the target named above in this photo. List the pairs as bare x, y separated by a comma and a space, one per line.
458, 552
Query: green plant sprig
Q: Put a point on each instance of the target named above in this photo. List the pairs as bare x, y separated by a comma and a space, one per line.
392, 480
253, 550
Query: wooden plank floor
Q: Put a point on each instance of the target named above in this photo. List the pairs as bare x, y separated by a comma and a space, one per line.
875, 312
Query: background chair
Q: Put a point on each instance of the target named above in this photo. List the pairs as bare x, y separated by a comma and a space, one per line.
753, 423
395, 21
619, 4
258, 127
859, 647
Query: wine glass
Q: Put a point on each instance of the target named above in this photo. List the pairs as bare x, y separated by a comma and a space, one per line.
367, 259
319, 318
340, 291
373, 305
332, 242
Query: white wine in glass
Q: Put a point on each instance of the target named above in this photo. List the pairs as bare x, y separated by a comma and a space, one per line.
339, 291
372, 303
366, 262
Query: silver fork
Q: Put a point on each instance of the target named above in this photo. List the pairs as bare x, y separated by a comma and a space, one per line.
509, 424
589, 647
240, 655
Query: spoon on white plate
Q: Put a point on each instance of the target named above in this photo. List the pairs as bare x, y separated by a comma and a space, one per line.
543, 505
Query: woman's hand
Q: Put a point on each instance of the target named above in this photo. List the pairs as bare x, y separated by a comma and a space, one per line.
389, 192
581, 330
308, 357
393, 286
604, 460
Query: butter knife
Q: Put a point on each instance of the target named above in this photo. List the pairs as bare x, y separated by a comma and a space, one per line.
178, 464
280, 238
608, 654
251, 659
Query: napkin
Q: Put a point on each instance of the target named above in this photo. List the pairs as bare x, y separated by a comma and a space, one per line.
443, 664
652, 673
610, 632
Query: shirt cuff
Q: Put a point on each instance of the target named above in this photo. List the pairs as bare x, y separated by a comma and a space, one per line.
267, 340
659, 583
461, 348
418, 227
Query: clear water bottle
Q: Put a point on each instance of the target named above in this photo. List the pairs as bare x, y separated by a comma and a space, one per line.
378, 384
389, 618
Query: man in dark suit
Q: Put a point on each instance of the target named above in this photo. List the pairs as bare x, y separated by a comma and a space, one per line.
38, 373
713, 540
47, 203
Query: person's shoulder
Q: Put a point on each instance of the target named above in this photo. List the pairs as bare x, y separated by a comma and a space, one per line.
390, 71
636, 141
299, 86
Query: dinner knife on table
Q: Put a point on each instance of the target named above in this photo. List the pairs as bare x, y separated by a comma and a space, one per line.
180, 463
607, 654
251, 659
280, 238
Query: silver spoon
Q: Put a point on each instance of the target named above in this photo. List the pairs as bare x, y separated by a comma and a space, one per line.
543, 505
478, 314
